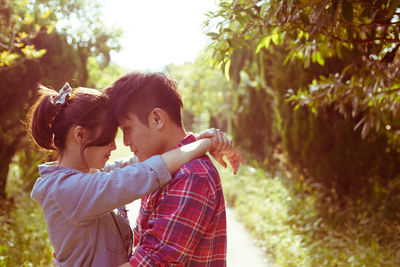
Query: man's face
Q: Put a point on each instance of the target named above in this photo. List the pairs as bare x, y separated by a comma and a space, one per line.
143, 140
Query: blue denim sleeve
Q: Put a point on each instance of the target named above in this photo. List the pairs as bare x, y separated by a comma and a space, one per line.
82, 196
119, 163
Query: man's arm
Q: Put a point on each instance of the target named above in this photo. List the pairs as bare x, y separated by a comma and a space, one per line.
178, 223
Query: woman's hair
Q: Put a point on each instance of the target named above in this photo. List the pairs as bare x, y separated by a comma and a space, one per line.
48, 123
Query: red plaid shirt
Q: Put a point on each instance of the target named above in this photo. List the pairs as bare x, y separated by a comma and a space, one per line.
184, 223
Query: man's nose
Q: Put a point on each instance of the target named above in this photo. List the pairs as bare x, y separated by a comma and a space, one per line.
126, 140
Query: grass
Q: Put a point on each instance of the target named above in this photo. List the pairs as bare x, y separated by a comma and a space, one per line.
23, 232
298, 227
294, 222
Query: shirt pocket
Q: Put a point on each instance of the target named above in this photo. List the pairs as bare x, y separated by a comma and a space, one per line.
112, 237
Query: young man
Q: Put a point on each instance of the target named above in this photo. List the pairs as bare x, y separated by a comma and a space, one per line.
182, 224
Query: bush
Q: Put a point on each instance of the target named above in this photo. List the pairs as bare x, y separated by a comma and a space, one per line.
23, 235
320, 143
327, 149
300, 224
23, 232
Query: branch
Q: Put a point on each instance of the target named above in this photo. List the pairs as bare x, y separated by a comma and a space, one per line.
12, 39
369, 24
388, 91
4, 68
361, 41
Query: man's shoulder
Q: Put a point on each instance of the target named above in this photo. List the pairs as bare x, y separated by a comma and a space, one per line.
200, 172
202, 166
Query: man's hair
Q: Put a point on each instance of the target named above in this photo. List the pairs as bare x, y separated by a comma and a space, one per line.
140, 93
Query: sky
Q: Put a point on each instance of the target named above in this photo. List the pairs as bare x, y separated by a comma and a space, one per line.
158, 32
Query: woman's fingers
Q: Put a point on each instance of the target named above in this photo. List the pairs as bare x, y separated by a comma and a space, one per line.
218, 141
222, 146
209, 133
220, 159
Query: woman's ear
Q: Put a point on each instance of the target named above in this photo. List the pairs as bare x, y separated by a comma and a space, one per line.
157, 118
79, 134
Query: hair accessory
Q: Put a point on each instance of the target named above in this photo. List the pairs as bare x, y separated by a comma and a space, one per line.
63, 95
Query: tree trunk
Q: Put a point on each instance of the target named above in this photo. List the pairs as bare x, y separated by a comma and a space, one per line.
5, 160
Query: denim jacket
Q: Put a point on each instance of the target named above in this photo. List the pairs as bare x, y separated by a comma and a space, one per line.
79, 208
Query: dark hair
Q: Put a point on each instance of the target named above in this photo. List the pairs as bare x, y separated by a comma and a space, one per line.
48, 124
140, 93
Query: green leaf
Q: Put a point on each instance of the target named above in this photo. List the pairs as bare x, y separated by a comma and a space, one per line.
275, 38
317, 57
263, 9
264, 43
213, 35
227, 67
347, 10
39, 53
394, 4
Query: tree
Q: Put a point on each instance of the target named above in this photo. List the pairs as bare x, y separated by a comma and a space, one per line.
291, 63
15, 43
364, 35
63, 56
208, 98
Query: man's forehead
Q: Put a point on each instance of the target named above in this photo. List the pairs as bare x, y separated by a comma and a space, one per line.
128, 119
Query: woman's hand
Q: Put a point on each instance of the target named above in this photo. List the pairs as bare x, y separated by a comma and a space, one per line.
221, 146
232, 155
219, 141
127, 264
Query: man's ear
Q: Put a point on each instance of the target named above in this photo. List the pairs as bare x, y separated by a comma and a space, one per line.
157, 118
79, 133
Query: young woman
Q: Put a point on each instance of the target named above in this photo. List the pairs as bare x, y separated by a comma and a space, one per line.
78, 205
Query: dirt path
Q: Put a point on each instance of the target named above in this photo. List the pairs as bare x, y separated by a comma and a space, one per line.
241, 249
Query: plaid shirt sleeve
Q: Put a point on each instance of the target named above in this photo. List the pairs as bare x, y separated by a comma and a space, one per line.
178, 222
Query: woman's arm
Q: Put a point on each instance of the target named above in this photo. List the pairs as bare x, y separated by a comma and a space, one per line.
176, 158
119, 163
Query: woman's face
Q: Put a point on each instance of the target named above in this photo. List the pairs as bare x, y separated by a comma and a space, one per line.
97, 156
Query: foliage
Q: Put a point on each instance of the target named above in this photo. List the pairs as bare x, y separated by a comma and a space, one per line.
277, 61
23, 235
363, 34
207, 96
101, 77
301, 224
328, 150
40, 26
17, 30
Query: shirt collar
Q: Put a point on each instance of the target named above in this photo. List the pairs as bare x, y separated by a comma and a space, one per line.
190, 138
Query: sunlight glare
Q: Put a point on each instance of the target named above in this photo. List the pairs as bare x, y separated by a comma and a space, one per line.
158, 32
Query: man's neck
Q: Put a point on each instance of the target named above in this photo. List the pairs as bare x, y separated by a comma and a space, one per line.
174, 136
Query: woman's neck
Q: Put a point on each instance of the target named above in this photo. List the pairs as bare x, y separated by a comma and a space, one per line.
73, 162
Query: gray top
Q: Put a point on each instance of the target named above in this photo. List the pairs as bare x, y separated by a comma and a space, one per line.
78, 208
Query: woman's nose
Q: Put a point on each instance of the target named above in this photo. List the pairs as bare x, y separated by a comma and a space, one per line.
113, 145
